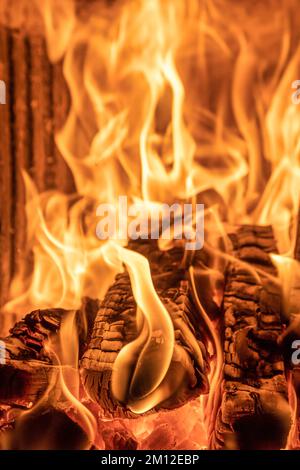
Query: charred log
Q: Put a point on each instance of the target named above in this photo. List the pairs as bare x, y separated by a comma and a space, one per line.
28, 365
115, 327
254, 413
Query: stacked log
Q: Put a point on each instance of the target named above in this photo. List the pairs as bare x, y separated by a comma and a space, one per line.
254, 413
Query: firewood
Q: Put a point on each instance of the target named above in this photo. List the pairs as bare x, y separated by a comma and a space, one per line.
115, 327
28, 366
37, 104
254, 413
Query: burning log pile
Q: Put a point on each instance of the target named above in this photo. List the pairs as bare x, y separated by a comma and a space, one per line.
254, 394
138, 343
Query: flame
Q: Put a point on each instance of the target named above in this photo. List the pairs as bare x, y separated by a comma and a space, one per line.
59, 19
171, 101
142, 365
139, 127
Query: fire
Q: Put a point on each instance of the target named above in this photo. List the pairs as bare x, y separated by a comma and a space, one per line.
170, 102
135, 129
141, 366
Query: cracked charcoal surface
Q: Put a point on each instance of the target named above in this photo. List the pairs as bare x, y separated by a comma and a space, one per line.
254, 413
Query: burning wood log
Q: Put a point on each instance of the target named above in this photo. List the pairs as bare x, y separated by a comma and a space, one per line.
254, 413
28, 366
115, 326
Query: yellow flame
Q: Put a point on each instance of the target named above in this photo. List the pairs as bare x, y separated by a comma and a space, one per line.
142, 365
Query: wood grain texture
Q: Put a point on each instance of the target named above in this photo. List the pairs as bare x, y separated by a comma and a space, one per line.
254, 413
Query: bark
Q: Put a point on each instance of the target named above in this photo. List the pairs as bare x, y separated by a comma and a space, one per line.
28, 365
115, 326
254, 412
